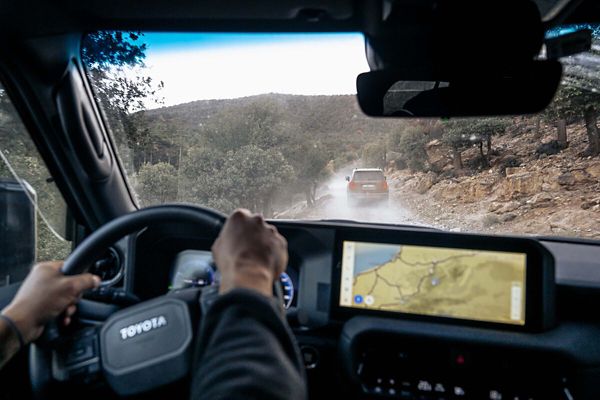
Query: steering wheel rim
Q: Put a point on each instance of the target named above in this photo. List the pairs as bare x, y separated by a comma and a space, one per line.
93, 246
91, 249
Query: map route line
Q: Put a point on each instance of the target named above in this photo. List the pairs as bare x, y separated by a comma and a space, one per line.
432, 265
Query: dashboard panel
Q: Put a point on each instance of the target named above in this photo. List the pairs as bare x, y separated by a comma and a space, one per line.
353, 352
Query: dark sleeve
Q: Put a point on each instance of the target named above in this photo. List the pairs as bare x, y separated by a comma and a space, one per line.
246, 351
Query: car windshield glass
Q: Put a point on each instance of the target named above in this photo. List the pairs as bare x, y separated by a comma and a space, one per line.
368, 176
270, 122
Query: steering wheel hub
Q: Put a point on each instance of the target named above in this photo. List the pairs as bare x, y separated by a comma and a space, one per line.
149, 340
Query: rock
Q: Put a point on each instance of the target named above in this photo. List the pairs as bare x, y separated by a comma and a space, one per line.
490, 219
525, 183
564, 223
425, 183
580, 176
495, 206
510, 171
508, 217
508, 207
566, 179
552, 147
541, 200
437, 155
468, 189
509, 163
594, 170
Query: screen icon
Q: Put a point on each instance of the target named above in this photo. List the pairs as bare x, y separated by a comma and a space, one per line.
358, 299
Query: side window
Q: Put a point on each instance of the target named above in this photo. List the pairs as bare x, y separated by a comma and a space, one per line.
32, 210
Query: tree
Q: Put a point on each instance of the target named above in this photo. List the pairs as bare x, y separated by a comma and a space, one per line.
247, 177
115, 64
572, 102
454, 136
254, 175
309, 161
410, 144
374, 155
157, 183
256, 123
461, 134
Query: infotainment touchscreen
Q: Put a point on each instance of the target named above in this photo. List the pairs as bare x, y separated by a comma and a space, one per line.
479, 285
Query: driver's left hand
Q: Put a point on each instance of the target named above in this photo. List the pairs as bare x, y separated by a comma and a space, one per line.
44, 295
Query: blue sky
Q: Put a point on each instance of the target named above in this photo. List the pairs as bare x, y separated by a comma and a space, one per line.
216, 66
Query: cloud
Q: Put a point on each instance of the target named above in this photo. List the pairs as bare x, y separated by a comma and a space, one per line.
315, 66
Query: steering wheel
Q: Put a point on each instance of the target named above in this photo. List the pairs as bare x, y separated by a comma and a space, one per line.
138, 348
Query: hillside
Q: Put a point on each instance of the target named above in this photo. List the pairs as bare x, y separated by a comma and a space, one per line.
555, 195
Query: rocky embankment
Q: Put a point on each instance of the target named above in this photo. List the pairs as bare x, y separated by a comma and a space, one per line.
539, 194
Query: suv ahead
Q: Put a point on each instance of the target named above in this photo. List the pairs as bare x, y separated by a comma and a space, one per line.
366, 185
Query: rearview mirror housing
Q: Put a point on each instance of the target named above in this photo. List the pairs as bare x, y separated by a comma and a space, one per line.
348, 178
524, 89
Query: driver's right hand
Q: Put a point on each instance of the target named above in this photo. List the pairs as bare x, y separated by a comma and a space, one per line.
249, 253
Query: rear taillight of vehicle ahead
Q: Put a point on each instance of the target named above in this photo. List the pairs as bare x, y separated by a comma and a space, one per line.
352, 185
383, 185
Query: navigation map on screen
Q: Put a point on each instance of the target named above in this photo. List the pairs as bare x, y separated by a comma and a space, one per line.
447, 282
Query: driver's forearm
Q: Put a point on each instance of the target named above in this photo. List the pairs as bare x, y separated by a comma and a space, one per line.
246, 351
9, 343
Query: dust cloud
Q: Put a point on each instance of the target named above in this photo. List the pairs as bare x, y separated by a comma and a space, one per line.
332, 204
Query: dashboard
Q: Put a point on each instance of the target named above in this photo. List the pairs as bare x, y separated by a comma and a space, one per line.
413, 313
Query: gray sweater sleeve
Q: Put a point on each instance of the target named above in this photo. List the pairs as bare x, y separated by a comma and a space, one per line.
246, 350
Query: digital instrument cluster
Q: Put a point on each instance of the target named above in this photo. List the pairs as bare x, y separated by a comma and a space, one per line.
196, 268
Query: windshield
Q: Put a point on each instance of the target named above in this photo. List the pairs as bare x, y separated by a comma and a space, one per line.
360, 176
270, 122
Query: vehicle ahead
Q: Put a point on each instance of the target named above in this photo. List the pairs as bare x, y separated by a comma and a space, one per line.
367, 185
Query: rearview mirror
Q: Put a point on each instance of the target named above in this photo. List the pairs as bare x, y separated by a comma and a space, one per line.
17, 230
525, 89
348, 178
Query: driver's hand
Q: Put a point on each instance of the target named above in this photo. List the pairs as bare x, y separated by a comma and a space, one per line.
249, 253
44, 295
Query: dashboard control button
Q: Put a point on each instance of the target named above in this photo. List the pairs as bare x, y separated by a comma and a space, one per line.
495, 395
459, 391
310, 356
424, 386
439, 388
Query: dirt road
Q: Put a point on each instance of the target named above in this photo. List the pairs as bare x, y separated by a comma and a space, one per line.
332, 204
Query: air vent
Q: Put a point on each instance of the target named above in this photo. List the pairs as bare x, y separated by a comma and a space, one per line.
108, 267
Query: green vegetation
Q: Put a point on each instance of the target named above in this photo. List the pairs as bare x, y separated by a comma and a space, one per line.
461, 134
20, 152
572, 102
410, 144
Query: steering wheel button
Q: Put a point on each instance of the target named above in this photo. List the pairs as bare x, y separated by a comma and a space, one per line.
80, 352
